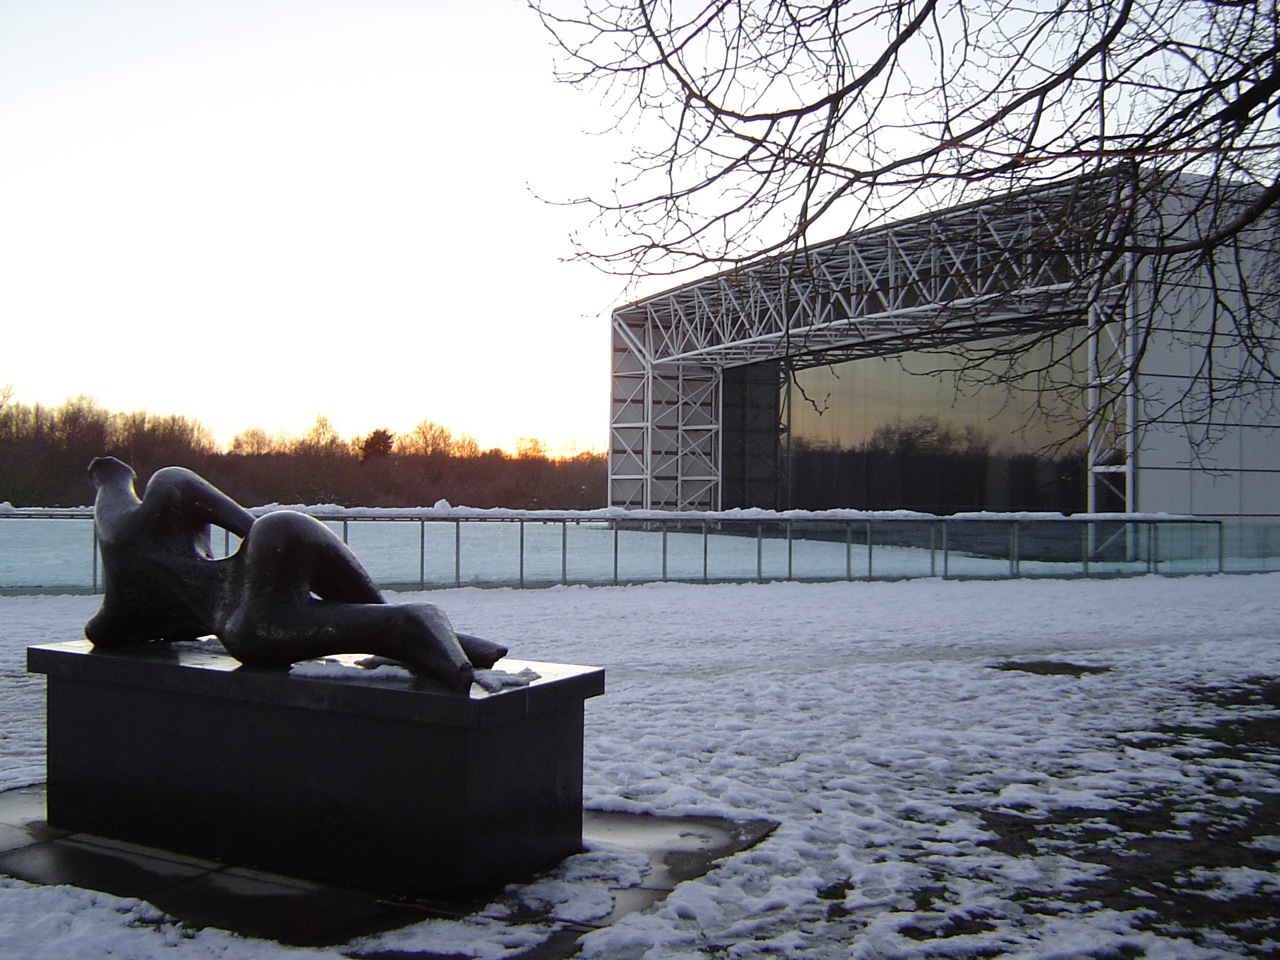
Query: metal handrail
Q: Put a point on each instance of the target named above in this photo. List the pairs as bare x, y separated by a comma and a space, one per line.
1005, 546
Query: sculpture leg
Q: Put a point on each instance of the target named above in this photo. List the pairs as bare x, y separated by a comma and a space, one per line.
417, 635
302, 594
286, 547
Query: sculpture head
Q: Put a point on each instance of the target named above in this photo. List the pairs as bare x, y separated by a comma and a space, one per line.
110, 472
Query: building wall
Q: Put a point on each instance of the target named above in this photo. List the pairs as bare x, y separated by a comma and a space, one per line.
899, 432
1200, 449
664, 429
700, 421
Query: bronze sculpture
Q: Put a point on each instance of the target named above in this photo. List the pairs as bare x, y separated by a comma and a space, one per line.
292, 591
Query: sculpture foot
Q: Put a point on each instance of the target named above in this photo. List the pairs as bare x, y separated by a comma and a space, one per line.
436, 651
482, 653
460, 681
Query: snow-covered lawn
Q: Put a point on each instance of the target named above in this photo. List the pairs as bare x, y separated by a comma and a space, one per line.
973, 769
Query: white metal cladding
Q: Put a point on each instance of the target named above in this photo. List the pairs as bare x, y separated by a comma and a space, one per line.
664, 448
1011, 265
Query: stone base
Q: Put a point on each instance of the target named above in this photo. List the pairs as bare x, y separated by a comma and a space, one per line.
388, 784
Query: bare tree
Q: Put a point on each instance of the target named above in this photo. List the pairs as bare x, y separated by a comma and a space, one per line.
256, 442
758, 127
531, 448
759, 120
430, 439
464, 445
321, 440
426, 439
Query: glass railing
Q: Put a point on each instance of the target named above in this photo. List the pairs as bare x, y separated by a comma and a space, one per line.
54, 550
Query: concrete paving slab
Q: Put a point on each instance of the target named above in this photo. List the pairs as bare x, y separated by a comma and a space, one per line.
93, 867
279, 909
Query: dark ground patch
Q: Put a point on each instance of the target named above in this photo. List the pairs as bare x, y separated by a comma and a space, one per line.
1164, 854
1051, 668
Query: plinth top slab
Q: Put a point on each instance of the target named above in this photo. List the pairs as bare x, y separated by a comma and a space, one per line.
188, 669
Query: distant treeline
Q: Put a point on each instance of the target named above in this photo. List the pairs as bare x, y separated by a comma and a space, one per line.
45, 452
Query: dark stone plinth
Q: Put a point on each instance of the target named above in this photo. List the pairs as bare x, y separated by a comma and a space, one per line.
387, 784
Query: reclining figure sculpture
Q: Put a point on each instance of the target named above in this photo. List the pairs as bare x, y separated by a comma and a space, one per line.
292, 591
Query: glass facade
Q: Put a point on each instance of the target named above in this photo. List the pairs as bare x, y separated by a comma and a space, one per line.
907, 432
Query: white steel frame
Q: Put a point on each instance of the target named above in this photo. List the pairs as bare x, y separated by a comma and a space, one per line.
1001, 267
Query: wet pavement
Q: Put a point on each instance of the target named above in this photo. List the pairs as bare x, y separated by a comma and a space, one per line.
202, 893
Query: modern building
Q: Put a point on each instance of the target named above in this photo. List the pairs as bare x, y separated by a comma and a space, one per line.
1031, 352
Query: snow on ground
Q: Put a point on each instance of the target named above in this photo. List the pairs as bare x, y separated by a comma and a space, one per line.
931, 801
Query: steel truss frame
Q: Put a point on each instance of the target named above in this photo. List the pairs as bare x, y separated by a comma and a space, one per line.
1013, 265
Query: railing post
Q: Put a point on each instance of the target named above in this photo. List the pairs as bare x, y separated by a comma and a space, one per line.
521, 549
705, 545
457, 553
1084, 548
946, 552
760, 553
422, 554
848, 550
95, 558
790, 556
1222, 549
564, 551
870, 569
344, 532
1014, 569
664, 553
615, 553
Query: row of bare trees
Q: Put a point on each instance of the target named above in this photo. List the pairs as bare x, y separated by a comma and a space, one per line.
44, 452
426, 439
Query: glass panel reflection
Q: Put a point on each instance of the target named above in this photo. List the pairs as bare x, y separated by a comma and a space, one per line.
910, 432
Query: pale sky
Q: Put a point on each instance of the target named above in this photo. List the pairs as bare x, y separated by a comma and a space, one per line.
252, 212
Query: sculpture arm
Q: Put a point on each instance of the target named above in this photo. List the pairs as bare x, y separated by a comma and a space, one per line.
197, 500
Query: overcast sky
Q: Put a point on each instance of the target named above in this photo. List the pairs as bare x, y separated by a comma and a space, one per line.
252, 212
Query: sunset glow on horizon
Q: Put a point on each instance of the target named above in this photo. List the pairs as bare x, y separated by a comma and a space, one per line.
252, 214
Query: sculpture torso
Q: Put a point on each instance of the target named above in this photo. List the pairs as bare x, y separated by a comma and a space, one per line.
160, 578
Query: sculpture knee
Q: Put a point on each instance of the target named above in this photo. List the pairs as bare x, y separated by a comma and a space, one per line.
300, 554
282, 529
